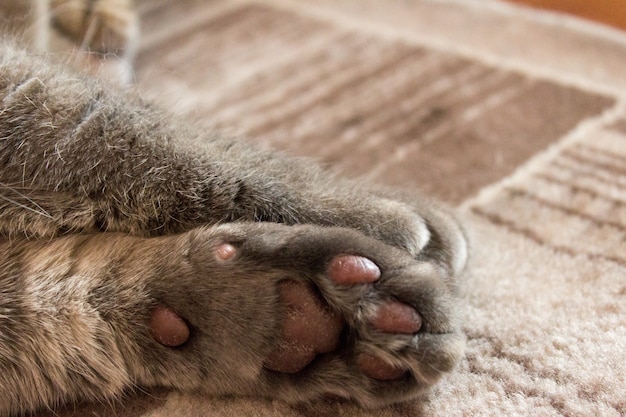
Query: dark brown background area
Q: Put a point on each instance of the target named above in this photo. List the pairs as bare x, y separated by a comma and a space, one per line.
611, 12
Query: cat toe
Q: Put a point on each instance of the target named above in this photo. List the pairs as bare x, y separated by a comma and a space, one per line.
351, 269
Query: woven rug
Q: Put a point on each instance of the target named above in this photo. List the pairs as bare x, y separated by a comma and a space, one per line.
516, 117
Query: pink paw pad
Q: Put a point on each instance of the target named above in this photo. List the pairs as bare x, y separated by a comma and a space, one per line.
352, 269
167, 327
309, 327
225, 251
397, 317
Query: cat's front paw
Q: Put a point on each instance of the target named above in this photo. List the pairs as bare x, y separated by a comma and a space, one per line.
425, 229
296, 312
368, 322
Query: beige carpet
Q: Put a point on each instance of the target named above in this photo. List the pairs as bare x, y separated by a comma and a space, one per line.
516, 117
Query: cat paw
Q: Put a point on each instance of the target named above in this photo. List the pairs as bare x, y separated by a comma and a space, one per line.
102, 35
325, 311
104, 26
370, 323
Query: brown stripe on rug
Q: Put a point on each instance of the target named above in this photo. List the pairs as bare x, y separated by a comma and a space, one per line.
620, 125
194, 62
576, 205
153, 11
369, 106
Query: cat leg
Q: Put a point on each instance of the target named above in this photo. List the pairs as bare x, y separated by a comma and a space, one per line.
102, 34
81, 157
288, 312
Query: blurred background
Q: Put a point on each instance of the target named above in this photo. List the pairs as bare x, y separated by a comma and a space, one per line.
611, 12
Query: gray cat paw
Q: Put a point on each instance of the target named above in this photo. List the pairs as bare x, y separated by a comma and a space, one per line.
316, 310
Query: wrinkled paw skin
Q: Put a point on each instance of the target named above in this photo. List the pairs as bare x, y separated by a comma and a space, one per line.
356, 318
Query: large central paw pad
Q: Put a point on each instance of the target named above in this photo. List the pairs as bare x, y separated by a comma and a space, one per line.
310, 327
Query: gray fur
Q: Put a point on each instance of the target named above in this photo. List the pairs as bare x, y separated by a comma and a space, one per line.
109, 206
